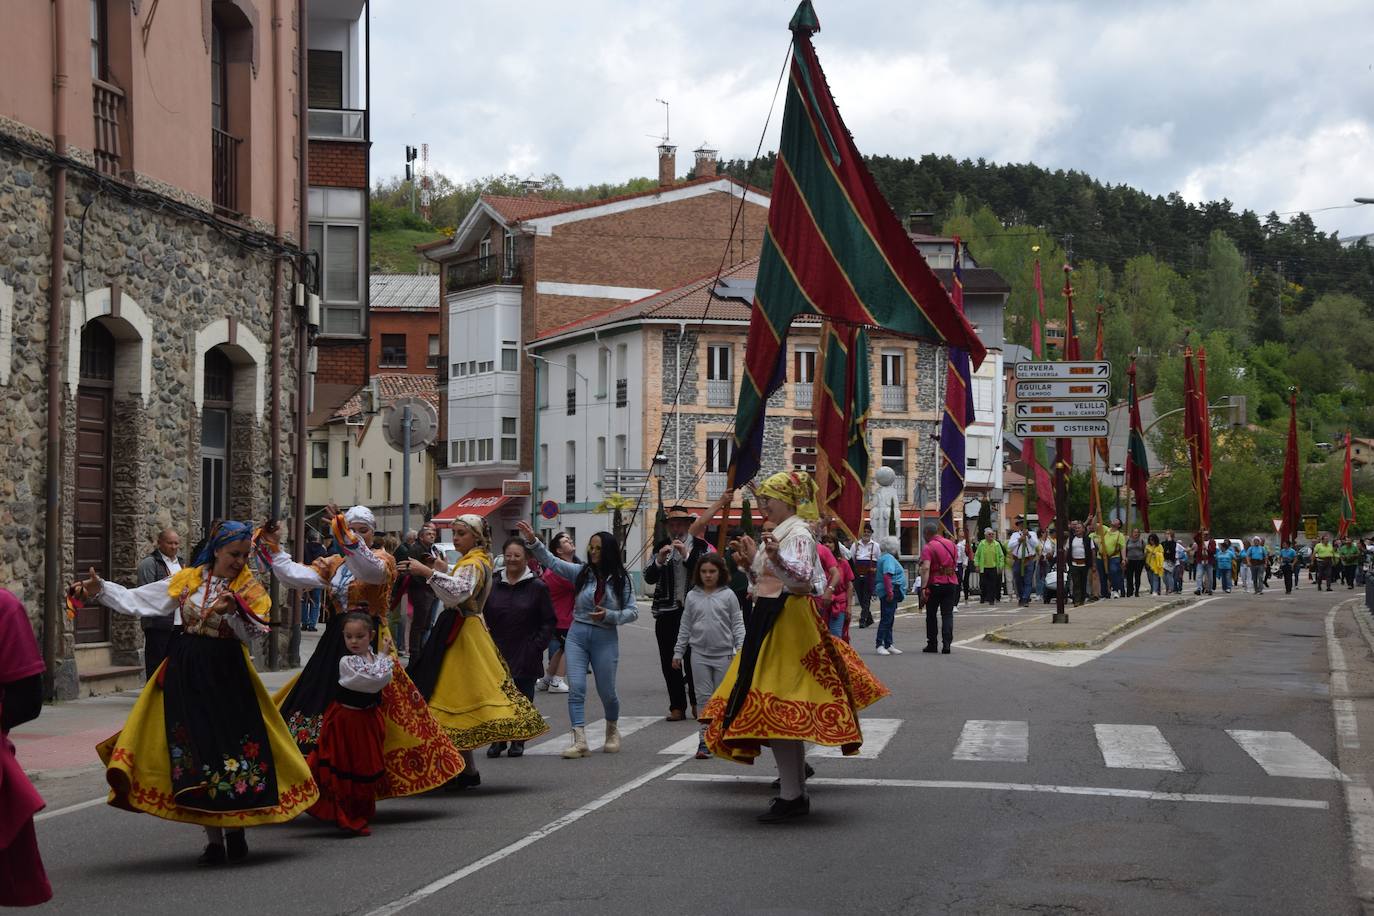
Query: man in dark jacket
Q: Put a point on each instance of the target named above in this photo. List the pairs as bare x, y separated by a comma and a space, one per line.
671, 575
161, 564
1078, 559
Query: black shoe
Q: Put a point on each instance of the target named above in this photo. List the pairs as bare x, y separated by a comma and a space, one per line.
930, 647
213, 855
782, 810
517, 749
236, 844
945, 650
467, 779
777, 783
496, 749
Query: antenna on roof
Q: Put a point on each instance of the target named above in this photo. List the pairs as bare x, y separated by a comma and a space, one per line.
667, 120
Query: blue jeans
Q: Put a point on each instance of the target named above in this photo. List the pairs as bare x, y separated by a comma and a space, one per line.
1204, 578
1023, 578
1154, 580
1114, 573
836, 624
887, 616
310, 608
598, 648
1225, 576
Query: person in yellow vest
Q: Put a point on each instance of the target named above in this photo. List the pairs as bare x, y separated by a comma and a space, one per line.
1111, 545
989, 559
1325, 556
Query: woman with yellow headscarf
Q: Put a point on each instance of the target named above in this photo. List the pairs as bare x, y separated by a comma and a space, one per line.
792, 682
459, 671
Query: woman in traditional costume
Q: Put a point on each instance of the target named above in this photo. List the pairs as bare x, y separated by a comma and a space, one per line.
417, 753
22, 879
459, 670
204, 744
792, 682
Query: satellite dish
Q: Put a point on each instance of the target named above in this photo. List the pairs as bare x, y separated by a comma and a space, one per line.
424, 424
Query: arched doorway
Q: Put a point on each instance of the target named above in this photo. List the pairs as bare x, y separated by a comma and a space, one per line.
215, 426
94, 470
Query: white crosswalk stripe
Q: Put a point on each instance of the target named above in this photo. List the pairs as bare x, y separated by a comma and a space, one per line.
877, 733
1284, 754
1136, 747
596, 735
996, 740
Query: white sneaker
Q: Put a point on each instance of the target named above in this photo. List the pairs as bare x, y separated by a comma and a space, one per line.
558, 685
894, 650
541, 684
883, 651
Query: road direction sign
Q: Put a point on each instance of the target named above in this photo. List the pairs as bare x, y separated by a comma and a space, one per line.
1068, 410
1061, 429
1040, 391
1047, 371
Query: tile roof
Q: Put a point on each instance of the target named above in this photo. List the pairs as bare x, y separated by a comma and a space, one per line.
515, 209
392, 386
556, 207
403, 292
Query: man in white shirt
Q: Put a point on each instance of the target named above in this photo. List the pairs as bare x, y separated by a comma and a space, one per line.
1024, 549
162, 563
863, 556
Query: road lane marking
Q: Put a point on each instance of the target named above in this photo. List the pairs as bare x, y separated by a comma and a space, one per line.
877, 733
70, 809
1105, 792
987, 739
529, 839
1284, 754
1359, 799
596, 735
1136, 747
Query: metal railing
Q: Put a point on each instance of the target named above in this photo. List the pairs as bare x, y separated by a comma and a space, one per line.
481, 272
803, 395
572, 401
107, 101
622, 392
225, 162
570, 488
719, 393
894, 398
715, 483
336, 124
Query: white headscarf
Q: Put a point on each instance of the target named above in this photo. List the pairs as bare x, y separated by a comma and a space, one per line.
361, 514
477, 525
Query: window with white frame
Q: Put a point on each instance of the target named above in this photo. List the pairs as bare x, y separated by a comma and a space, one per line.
720, 391
509, 444
599, 471
804, 365
718, 452
337, 217
892, 373
510, 252
541, 386
603, 371
484, 248
622, 452
510, 356
894, 457
543, 468
432, 358
319, 460
982, 398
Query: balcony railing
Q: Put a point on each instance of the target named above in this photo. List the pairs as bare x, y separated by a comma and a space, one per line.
894, 398
803, 393
336, 124
482, 272
719, 393
572, 401
225, 148
622, 392
570, 488
108, 102
715, 483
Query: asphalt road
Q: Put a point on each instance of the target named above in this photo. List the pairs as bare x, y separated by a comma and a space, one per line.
986, 790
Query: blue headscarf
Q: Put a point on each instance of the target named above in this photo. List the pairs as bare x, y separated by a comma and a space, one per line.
227, 532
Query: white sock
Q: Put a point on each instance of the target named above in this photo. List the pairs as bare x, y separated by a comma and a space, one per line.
791, 758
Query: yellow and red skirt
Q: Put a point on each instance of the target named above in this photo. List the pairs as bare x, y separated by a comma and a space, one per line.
469, 687
792, 680
225, 761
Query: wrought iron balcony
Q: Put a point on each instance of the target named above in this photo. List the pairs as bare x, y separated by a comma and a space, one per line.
109, 103
803, 395
572, 401
570, 488
622, 392
719, 393
225, 163
482, 272
894, 398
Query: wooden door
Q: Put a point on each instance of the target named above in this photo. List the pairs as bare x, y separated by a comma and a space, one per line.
94, 467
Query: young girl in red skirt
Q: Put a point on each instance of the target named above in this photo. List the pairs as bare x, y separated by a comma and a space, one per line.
347, 762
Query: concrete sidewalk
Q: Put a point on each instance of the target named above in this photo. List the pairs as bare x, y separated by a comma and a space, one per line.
1089, 626
61, 741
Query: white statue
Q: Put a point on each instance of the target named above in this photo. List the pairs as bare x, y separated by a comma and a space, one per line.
885, 511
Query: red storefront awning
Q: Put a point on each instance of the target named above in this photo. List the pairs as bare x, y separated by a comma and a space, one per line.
475, 502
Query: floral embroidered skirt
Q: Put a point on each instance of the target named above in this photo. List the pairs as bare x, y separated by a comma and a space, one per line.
205, 745
469, 688
349, 765
417, 753
791, 680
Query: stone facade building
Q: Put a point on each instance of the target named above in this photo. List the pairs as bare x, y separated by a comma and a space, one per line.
158, 332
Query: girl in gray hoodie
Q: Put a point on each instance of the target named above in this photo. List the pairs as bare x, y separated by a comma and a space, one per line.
713, 627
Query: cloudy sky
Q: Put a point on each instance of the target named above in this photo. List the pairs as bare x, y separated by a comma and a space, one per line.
1269, 104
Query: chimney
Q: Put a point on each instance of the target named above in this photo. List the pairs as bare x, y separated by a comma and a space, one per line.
921, 222
705, 161
667, 165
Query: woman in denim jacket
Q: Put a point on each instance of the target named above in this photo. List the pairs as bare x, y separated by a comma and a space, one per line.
604, 599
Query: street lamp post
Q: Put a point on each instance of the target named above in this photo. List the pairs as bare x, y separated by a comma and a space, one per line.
1118, 476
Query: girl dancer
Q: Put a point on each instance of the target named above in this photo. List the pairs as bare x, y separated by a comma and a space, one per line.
604, 600
792, 682
459, 670
348, 761
712, 627
22, 879
204, 744
417, 755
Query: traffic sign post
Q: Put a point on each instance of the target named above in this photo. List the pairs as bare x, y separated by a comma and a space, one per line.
1083, 390
1061, 429
1065, 410
1042, 371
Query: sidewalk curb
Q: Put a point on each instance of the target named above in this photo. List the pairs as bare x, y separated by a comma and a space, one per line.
998, 635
